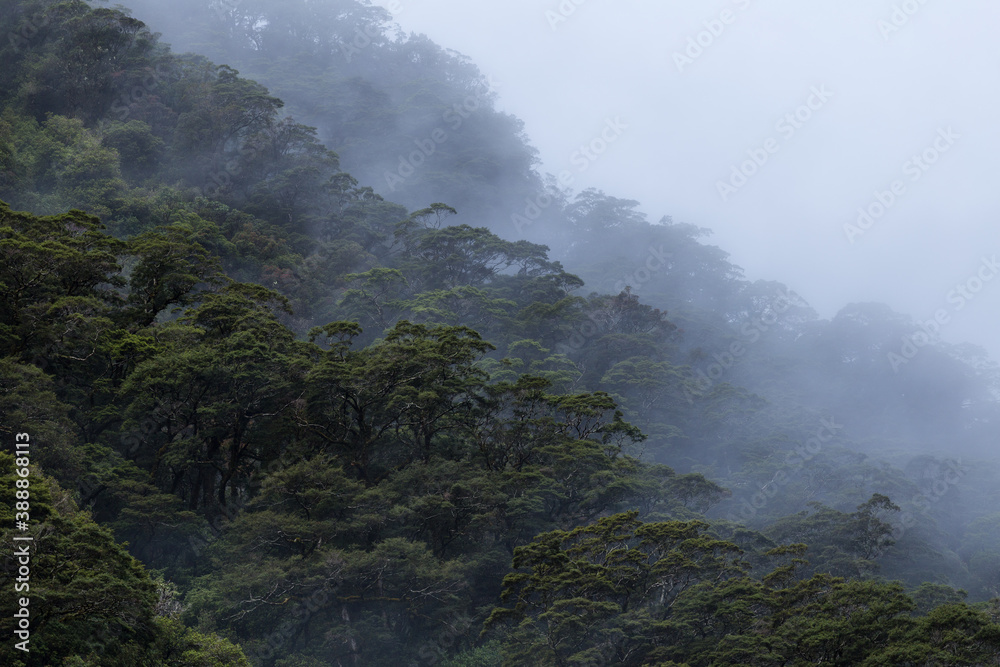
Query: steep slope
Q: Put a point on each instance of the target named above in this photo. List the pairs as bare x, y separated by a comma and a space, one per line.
333, 421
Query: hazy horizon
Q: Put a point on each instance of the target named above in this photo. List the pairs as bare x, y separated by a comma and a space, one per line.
881, 90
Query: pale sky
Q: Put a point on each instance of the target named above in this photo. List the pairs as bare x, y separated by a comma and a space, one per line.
704, 86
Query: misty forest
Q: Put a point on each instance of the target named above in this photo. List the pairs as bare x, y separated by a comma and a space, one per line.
320, 368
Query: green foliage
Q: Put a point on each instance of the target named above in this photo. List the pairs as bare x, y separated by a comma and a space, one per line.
585, 588
344, 432
167, 272
487, 655
623, 592
845, 544
91, 602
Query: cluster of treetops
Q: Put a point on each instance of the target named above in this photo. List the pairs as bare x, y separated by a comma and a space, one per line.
281, 419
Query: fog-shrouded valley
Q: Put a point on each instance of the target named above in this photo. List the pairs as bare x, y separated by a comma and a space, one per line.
412, 332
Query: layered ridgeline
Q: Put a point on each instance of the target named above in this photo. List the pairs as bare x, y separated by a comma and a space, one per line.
285, 414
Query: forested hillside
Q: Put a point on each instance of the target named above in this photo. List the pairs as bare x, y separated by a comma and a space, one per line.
288, 410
